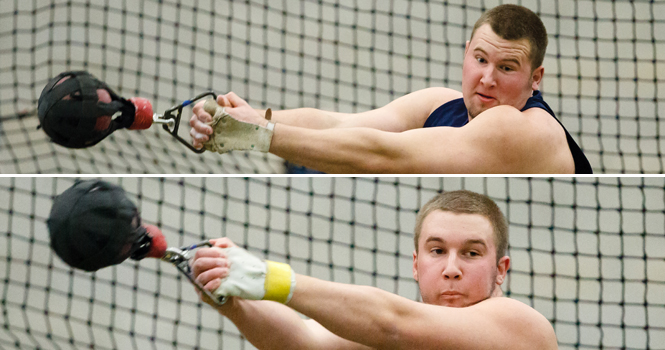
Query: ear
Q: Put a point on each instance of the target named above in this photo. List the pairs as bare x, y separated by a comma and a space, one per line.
537, 77
502, 269
466, 48
415, 266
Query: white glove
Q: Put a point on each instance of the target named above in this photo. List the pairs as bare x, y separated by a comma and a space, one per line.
252, 278
231, 134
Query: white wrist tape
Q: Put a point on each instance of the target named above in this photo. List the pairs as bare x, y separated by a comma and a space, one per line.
231, 134
252, 278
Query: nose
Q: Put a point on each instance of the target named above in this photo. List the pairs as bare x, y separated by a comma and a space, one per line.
452, 269
488, 76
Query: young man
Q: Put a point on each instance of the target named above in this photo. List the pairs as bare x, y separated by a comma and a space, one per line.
497, 124
459, 263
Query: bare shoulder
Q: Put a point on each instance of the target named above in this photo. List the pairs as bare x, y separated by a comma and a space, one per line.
448, 93
543, 120
495, 323
406, 112
434, 97
535, 119
519, 322
533, 140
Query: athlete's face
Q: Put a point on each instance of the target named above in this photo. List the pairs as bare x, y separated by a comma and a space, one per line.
456, 260
497, 72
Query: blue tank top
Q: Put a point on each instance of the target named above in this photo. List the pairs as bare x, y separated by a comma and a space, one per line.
455, 114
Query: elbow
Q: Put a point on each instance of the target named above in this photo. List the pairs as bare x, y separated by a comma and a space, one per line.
396, 334
386, 156
366, 151
375, 163
394, 327
396, 163
392, 340
383, 328
385, 333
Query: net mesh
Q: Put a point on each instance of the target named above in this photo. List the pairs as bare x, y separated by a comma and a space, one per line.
604, 69
589, 254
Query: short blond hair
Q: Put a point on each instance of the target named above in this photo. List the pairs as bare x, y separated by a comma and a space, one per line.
467, 202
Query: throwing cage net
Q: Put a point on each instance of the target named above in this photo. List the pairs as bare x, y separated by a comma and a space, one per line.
589, 254
604, 69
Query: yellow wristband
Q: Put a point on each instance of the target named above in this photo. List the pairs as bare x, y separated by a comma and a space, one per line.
278, 281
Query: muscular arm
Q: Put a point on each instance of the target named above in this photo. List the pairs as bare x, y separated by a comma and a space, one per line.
500, 140
265, 324
383, 320
357, 317
388, 140
270, 325
405, 113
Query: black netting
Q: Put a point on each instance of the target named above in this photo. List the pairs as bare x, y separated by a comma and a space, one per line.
604, 69
589, 254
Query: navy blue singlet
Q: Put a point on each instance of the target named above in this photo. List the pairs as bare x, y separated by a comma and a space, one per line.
455, 114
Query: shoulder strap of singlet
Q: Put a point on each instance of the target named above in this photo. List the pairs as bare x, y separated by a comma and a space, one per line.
582, 165
452, 113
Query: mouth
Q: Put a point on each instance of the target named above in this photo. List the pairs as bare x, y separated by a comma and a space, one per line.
451, 294
485, 98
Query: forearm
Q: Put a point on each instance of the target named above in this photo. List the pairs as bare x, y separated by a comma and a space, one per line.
309, 118
352, 150
269, 325
362, 314
405, 113
382, 320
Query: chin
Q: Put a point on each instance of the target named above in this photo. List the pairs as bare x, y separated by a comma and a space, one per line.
453, 303
476, 108
473, 112
457, 301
